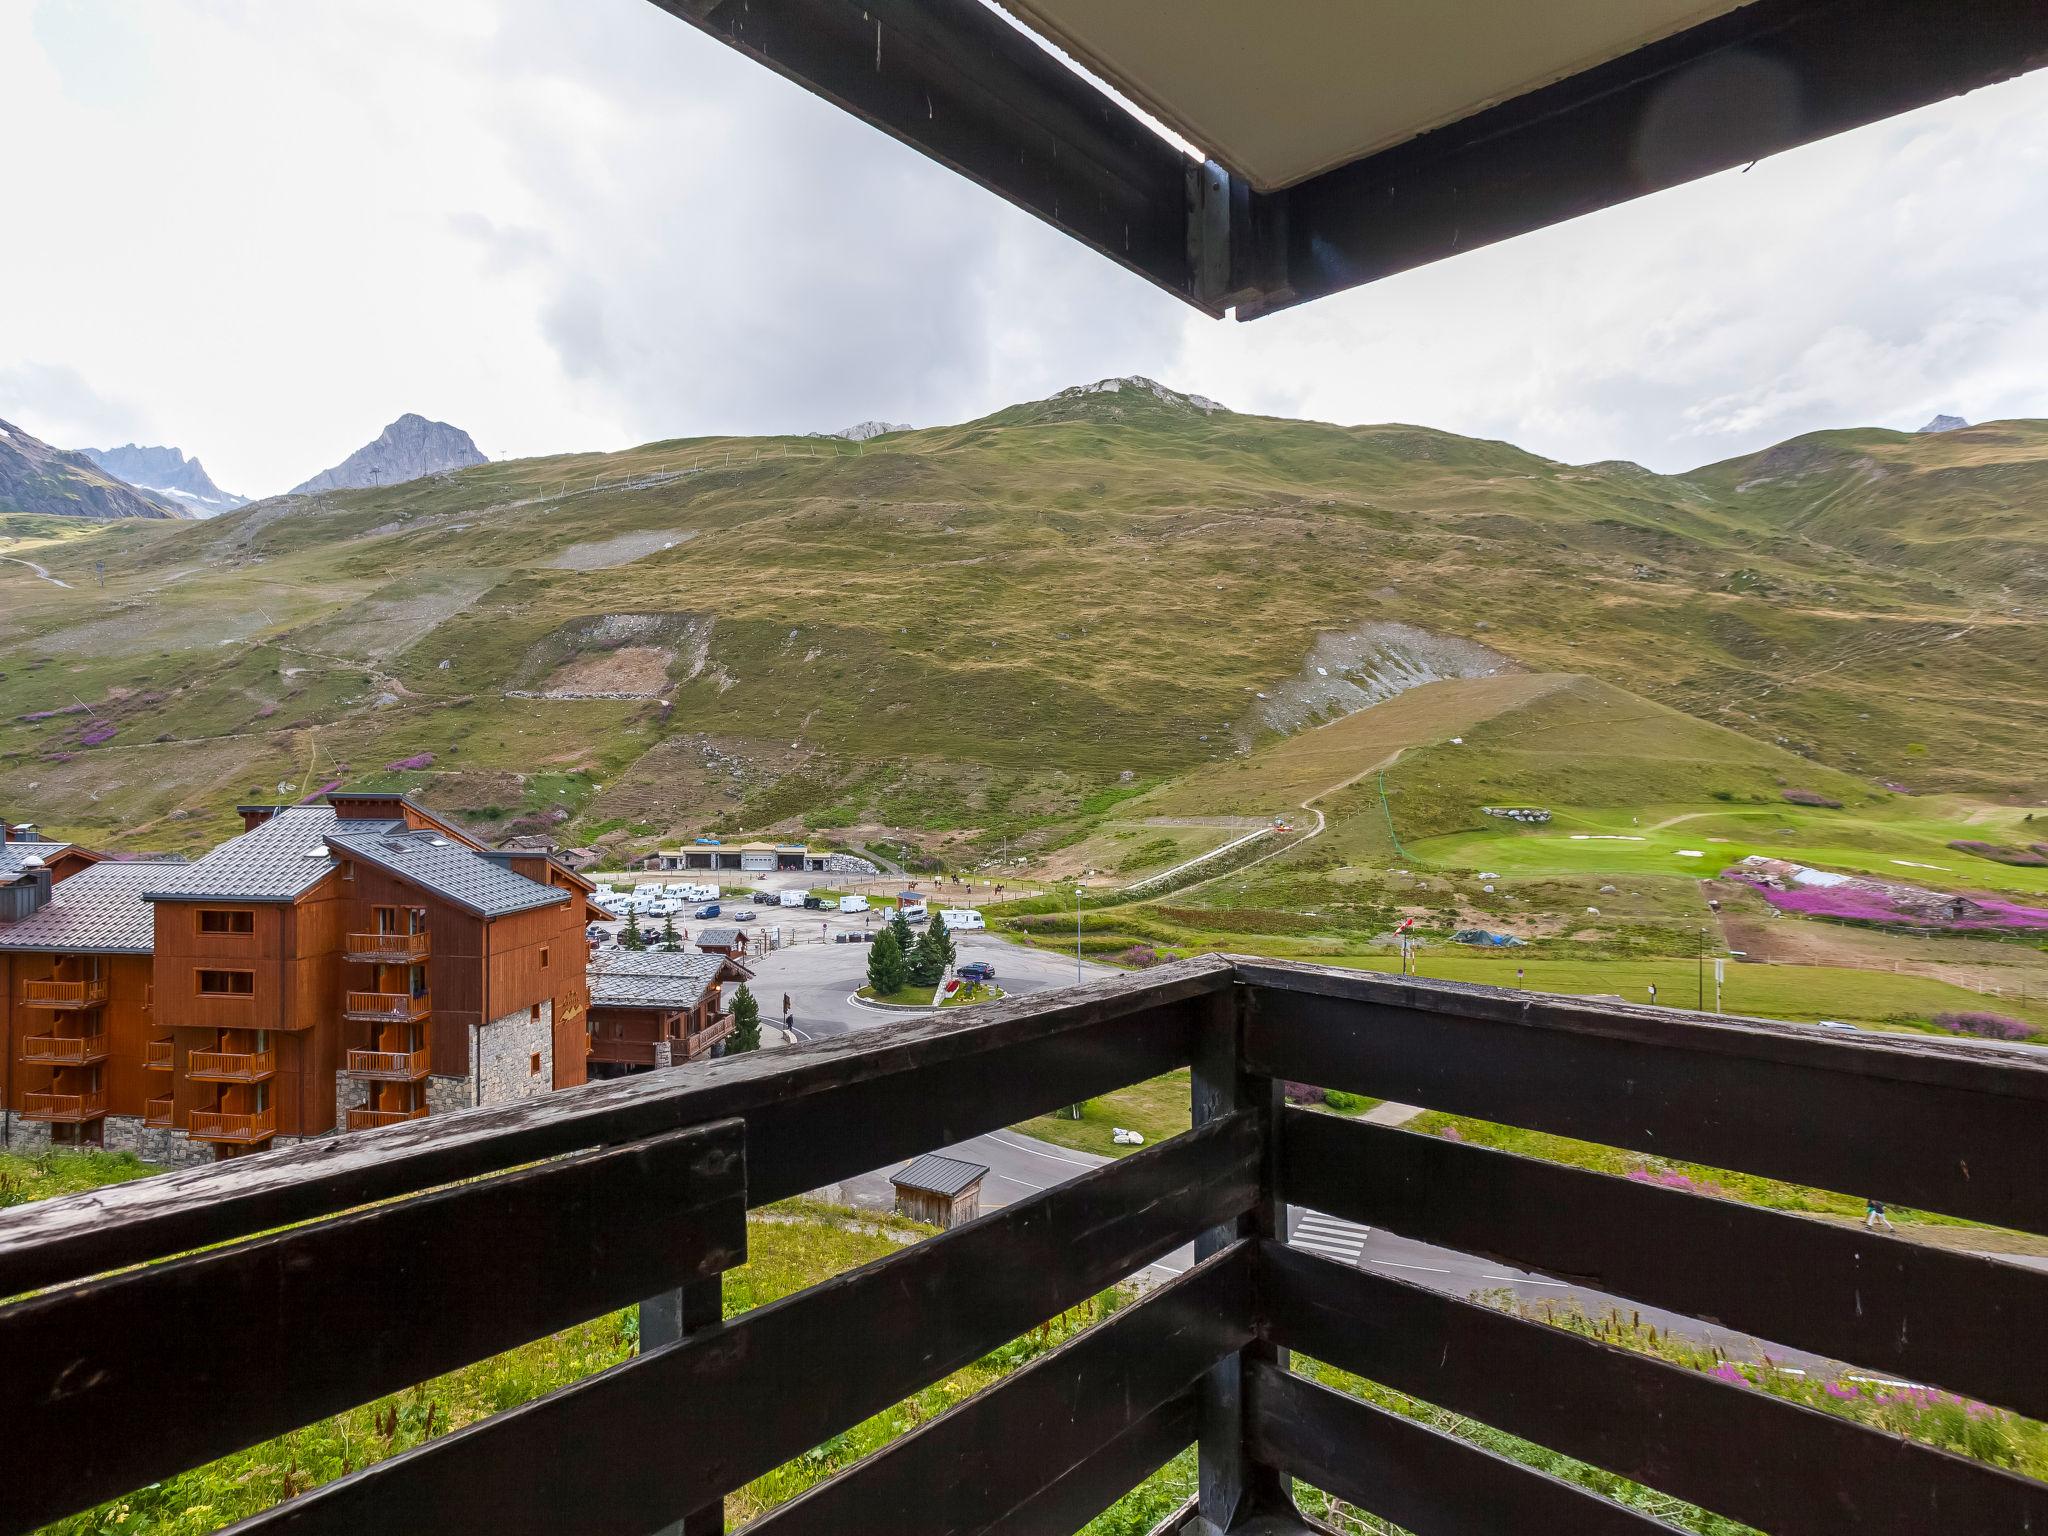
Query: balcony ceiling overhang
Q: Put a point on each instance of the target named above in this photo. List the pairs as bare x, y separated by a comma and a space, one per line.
1336, 141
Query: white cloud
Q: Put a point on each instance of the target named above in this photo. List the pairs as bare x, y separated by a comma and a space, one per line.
264, 230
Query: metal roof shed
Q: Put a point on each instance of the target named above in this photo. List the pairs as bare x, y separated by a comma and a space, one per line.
944, 1191
1338, 144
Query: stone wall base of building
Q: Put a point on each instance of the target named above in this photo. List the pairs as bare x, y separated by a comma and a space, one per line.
163, 1145
515, 1056
445, 1095
25, 1137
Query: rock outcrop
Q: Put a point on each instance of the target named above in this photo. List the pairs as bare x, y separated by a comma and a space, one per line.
34, 477
410, 447
1945, 424
168, 473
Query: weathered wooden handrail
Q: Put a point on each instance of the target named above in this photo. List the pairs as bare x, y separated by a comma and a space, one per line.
576, 1185
230, 1066
64, 994
394, 948
64, 1050
395, 1066
386, 1007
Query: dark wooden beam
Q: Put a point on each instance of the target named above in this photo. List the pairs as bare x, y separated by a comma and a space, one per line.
1764, 78
953, 79
118, 1382
1730, 1093
816, 1113
1728, 1447
1903, 1308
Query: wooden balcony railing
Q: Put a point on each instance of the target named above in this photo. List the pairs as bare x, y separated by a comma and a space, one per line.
700, 1044
627, 1053
157, 1111
387, 948
390, 1066
157, 1054
232, 1125
662, 1164
371, 1119
64, 1050
385, 1007
230, 1066
64, 1108
64, 994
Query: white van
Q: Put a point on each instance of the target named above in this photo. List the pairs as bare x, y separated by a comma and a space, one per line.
700, 893
853, 903
957, 918
791, 898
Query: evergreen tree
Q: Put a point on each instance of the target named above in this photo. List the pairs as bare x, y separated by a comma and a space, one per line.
905, 939
629, 936
943, 937
746, 1022
927, 961
887, 973
669, 941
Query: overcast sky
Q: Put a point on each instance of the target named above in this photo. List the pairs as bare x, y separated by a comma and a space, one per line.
259, 230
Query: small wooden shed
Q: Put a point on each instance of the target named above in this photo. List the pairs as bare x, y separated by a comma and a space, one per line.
941, 1190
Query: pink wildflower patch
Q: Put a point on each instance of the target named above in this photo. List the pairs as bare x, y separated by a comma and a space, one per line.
406, 764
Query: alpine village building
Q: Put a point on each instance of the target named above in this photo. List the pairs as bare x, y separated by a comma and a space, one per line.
335, 967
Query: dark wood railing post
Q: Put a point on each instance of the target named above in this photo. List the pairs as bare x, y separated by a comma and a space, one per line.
1234, 1487
668, 1319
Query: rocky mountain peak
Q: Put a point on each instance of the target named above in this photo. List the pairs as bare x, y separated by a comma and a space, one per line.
1945, 424
167, 472
409, 448
34, 477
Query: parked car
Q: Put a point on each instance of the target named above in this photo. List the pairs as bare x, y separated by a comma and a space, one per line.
707, 912
814, 903
745, 915
976, 970
650, 935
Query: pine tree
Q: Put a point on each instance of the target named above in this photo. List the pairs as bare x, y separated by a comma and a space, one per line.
948, 955
887, 973
927, 961
629, 936
746, 1022
669, 941
905, 939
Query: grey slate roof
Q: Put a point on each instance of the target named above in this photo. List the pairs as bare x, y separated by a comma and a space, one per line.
717, 938
292, 852
269, 863
98, 911
938, 1175
447, 868
654, 979
14, 857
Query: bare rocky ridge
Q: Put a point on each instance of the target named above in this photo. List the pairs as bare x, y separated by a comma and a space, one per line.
410, 447
168, 473
34, 477
1945, 424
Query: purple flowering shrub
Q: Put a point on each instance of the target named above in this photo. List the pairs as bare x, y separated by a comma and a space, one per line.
51, 714
2000, 853
1811, 797
405, 764
1302, 1093
93, 735
1856, 903
1986, 1026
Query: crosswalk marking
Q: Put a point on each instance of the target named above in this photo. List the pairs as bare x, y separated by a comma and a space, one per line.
1330, 1237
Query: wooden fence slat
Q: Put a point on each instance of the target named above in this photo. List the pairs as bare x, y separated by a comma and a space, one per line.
982, 1462
1927, 1314
685, 1425
815, 1113
1730, 1448
1939, 1125
1420, 1478
1070, 1502
117, 1382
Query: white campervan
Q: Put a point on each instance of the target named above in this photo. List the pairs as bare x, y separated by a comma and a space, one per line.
957, 918
792, 898
853, 903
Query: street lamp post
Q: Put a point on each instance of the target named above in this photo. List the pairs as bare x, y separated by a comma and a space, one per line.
1079, 980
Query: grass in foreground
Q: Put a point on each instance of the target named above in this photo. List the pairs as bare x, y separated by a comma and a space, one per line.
25, 1177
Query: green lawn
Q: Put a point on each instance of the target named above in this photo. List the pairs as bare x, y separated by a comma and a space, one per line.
1156, 1109
905, 997
41, 1176
969, 993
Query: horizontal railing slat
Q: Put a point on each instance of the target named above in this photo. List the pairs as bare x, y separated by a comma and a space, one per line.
118, 1382
1733, 1449
982, 1463
816, 1113
1070, 1502
1927, 1314
682, 1426
1945, 1126
1426, 1481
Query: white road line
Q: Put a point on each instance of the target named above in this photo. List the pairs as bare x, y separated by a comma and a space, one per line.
1519, 1280
1390, 1264
1052, 1157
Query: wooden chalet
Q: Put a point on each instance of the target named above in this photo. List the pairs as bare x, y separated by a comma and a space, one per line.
728, 941
658, 1009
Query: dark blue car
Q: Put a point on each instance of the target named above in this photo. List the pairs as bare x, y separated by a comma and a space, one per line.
710, 911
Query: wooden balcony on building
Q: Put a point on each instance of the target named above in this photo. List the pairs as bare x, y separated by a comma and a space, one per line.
158, 1054
371, 1119
627, 1053
240, 1127
390, 1066
664, 1165
64, 994
64, 1050
64, 1108
385, 1007
700, 1044
387, 948
230, 1066
157, 1111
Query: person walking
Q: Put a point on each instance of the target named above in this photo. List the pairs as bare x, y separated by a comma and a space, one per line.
1873, 1215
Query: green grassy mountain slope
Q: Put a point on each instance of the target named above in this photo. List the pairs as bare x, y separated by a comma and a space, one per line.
974, 630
